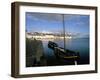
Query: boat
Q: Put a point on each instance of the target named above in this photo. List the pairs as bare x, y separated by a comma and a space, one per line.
63, 54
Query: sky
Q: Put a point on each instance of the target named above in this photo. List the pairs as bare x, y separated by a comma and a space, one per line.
50, 22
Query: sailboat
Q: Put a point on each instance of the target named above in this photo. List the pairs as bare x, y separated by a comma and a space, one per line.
64, 54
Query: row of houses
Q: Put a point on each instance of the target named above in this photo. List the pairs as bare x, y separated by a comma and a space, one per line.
46, 36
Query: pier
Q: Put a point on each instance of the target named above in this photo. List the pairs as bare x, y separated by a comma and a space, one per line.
34, 53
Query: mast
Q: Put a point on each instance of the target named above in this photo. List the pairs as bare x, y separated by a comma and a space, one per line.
63, 21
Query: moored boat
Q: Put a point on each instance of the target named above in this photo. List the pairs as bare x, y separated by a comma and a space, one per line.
63, 54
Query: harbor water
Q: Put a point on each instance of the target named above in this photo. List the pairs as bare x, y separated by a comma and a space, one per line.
80, 45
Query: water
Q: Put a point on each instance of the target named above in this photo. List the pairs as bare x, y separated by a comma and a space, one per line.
80, 45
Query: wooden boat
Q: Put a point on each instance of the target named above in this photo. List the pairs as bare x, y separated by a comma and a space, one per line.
63, 54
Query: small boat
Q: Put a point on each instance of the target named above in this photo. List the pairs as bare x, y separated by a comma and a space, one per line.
63, 54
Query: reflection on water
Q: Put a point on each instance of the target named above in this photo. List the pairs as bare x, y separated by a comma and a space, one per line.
80, 45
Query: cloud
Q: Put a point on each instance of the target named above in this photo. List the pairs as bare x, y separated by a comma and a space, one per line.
53, 17
45, 16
